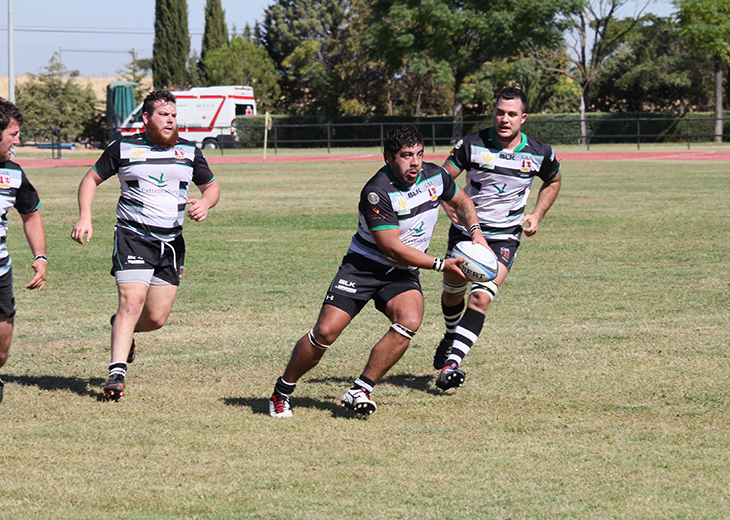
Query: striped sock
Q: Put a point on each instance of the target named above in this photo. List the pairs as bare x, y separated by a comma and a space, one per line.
467, 332
118, 369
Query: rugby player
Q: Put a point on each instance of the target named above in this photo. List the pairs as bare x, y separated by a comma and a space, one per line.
397, 213
16, 191
155, 170
500, 164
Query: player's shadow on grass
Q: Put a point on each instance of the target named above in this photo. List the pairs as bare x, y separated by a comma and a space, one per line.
411, 381
84, 387
260, 405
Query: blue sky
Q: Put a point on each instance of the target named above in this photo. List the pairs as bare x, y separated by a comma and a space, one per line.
96, 37
110, 29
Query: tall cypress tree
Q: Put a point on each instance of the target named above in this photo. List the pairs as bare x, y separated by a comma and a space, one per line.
172, 43
216, 32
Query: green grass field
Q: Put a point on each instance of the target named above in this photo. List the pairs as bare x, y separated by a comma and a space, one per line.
599, 389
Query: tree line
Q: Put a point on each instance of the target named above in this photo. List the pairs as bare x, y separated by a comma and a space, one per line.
331, 58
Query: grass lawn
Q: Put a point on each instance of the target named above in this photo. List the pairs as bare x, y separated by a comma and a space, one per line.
600, 387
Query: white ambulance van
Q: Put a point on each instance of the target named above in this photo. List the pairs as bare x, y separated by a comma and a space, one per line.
205, 115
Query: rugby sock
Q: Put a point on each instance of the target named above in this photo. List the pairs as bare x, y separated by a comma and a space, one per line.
363, 382
452, 315
118, 369
466, 335
283, 387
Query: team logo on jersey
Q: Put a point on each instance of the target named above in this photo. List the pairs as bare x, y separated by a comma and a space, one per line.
402, 206
137, 155
179, 154
4, 182
504, 252
160, 181
373, 198
487, 161
433, 192
526, 165
418, 230
501, 190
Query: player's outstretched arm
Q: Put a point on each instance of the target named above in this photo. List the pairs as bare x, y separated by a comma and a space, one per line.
211, 193
87, 190
36, 235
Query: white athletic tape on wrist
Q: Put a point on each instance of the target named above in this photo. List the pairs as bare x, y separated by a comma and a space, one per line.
403, 331
314, 343
438, 264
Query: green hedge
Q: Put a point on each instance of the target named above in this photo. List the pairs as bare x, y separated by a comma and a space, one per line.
353, 131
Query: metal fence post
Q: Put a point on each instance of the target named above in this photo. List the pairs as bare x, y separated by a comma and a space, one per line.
381, 138
329, 144
433, 133
688, 134
638, 134
276, 140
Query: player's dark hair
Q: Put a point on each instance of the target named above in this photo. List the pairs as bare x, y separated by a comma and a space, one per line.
154, 97
400, 136
510, 93
8, 112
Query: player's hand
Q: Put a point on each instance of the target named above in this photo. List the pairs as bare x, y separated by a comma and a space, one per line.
41, 267
451, 266
478, 238
529, 224
198, 210
82, 228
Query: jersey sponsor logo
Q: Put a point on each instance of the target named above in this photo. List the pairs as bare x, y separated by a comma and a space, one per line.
486, 160
501, 190
378, 215
458, 145
161, 181
414, 192
137, 155
507, 156
136, 260
346, 286
402, 206
419, 229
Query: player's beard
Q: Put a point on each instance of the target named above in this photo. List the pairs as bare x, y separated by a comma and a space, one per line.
154, 133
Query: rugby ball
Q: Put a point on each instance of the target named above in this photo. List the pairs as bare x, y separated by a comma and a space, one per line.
481, 263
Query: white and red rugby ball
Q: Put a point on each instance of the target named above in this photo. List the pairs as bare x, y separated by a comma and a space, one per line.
481, 263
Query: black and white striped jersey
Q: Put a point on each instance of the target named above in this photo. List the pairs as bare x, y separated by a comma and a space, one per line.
499, 180
154, 183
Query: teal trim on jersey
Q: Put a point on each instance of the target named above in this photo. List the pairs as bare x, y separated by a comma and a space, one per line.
381, 228
498, 145
148, 142
398, 184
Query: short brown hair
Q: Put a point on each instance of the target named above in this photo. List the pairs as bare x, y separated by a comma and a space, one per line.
154, 97
9, 112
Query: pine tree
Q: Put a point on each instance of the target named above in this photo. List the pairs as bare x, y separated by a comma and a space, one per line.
172, 43
216, 32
